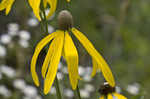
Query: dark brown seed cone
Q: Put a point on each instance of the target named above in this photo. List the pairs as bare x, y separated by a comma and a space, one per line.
106, 88
65, 20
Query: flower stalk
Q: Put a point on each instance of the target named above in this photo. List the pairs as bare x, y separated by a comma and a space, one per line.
78, 92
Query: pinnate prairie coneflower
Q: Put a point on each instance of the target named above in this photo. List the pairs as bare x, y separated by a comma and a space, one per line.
108, 92
35, 5
63, 45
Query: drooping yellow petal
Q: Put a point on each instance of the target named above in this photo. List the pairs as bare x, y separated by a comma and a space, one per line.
53, 5
95, 68
119, 96
38, 49
109, 96
45, 3
3, 4
97, 57
71, 56
52, 70
6, 4
48, 57
35, 5
102, 97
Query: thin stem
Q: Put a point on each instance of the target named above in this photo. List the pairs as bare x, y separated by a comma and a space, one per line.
44, 23
78, 92
57, 88
43, 18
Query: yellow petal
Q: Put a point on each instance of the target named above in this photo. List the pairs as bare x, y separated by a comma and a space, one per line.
109, 96
97, 57
35, 5
48, 57
53, 5
52, 70
45, 3
8, 8
38, 49
6, 4
119, 96
71, 56
95, 67
102, 97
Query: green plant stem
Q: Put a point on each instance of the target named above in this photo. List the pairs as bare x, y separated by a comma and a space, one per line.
43, 18
44, 24
57, 88
78, 92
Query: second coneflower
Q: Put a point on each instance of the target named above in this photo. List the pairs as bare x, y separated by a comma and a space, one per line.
62, 45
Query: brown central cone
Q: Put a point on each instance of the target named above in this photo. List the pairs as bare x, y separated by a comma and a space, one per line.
65, 20
106, 89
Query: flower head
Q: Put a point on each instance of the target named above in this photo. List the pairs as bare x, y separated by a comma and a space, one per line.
63, 45
109, 92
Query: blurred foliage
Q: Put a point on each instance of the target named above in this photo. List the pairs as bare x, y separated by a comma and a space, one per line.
119, 29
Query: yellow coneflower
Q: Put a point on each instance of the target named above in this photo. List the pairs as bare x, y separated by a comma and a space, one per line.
35, 5
62, 45
108, 92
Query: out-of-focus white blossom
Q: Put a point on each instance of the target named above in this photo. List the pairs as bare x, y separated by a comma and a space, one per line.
118, 89
8, 71
53, 90
60, 65
5, 39
13, 29
81, 70
87, 78
88, 70
4, 91
33, 22
84, 93
24, 35
89, 87
19, 84
68, 93
2, 51
133, 88
50, 29
30, 91
65, 70
60, 75
24, 43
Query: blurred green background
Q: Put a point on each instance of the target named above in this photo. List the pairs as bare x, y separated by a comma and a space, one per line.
119, 29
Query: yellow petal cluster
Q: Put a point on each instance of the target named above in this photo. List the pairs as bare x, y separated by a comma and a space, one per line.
63, 45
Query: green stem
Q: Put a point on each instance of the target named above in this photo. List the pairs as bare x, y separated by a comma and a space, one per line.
78, 92
57, 88
44, 23
43, 18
